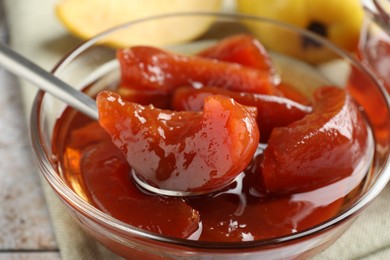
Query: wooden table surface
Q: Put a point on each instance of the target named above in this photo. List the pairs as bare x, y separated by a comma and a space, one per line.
25, 227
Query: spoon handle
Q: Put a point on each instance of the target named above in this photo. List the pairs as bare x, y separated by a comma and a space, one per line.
24, 68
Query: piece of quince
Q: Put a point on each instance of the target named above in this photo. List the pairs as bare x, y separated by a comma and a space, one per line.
338, 21
87, 18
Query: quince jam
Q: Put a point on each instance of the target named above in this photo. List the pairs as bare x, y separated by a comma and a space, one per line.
275, 161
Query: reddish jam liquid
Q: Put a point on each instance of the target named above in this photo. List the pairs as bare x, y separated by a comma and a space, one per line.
97, 171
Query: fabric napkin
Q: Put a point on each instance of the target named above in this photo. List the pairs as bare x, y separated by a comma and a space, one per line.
36, 33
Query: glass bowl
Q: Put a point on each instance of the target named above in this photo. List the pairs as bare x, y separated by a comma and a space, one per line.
303, 59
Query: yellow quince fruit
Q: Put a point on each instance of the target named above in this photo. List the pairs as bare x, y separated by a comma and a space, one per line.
87, 18
338, 21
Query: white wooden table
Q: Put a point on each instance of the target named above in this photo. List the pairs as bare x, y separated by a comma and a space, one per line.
25, 228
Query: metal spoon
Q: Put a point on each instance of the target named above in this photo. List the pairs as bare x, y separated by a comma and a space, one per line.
24, 68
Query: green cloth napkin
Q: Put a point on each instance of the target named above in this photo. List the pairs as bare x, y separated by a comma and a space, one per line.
36, 33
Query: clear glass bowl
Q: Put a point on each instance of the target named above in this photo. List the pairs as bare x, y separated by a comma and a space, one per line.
374, 43
94, 58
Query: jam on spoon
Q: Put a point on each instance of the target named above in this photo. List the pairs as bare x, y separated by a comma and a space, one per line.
185, 151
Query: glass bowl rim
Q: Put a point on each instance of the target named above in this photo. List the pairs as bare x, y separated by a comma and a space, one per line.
52, 177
